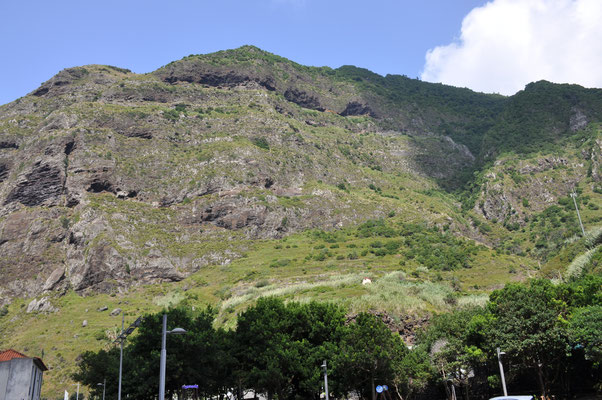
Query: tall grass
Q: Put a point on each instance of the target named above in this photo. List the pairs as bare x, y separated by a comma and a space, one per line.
593, 237
289, 289
397, 295
576, 268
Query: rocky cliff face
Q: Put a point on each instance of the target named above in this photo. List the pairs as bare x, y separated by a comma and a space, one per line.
110, 179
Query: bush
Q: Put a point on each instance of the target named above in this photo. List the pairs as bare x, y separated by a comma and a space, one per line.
172, 115
261, 142
376, 227
262, 283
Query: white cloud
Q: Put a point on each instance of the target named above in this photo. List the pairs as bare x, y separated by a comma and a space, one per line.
506, 44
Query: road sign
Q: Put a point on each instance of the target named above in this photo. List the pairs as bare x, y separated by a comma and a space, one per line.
379, 389
385, 387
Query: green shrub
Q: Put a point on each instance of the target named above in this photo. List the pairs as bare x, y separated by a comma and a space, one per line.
261, 142
172, 115
320, 257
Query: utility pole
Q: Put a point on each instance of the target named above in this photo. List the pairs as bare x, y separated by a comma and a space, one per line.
574, 195
499, 360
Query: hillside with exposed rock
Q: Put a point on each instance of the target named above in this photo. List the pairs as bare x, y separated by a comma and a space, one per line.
223, 177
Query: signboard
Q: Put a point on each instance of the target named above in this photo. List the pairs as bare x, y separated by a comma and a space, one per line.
190, 386
379, 389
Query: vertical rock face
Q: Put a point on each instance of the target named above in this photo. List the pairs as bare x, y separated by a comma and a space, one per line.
4, 170
303, 99
356, 108
43, 185
596, 160
578, 120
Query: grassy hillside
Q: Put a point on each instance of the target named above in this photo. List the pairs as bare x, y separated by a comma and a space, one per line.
224, 177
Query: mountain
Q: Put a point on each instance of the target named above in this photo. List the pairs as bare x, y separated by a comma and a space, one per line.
219, 178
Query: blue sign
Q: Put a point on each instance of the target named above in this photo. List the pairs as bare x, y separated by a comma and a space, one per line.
190, 386
379, 389
385, 387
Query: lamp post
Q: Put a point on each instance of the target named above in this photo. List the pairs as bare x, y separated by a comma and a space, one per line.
104, 386
121, 356
325, 379
77, 395
121, 339
499, 359
165, 332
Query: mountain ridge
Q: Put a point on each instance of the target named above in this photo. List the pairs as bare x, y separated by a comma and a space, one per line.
224, 177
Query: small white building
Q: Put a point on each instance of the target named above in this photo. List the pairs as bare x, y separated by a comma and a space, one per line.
20, 376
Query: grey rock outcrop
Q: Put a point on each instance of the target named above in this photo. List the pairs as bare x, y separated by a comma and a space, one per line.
41, 306
54, 279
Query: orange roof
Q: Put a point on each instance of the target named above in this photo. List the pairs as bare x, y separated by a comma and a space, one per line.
10, 354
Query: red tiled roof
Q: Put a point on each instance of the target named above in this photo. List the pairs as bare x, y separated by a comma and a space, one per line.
9, 354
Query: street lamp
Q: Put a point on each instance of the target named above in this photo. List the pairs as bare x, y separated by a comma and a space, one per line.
325, 379
499, 360
121, 339
77, 395
104, 386
165, 332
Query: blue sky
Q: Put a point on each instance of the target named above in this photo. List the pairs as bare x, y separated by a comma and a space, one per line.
489, 46
39, 38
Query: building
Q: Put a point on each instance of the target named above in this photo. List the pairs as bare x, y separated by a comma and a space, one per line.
20, 376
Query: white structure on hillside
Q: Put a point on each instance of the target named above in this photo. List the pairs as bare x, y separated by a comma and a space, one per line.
20, 376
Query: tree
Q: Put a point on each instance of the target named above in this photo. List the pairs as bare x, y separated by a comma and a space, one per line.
586, 332
94, 368
191, 358
528, 323
414, 373
456, 341
282, 346
368, 353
